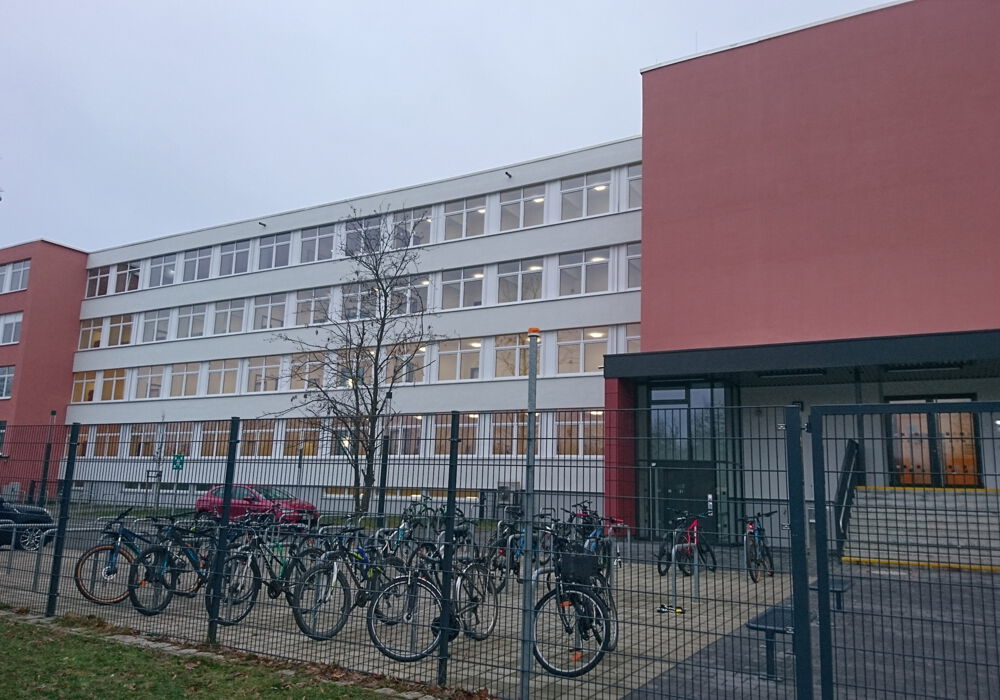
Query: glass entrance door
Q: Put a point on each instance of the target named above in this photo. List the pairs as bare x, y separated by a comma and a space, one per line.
934, 450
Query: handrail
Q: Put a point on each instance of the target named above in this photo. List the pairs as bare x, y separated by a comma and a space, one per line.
846, 485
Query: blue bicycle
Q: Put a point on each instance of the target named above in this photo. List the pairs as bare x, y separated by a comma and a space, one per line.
755, 550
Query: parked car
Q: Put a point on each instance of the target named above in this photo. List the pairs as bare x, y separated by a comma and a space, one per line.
35, 522
254, 498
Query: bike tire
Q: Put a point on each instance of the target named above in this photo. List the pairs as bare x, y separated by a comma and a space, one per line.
101, 573
238, 589
321, 602
685, 554
404, 619
603, 588
545, 548
476, 603
150, 581
707, 555
766, 560
664, 558
496, 563
750, 557
571, 631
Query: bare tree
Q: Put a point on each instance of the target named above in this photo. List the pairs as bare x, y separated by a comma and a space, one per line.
376, 338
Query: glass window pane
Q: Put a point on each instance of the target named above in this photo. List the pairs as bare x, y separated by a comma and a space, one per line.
597, 278
569, 281
572, 205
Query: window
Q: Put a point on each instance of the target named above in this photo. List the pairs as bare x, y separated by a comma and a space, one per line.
520, 280
586, 195
90, 333
580, 433
177, 438
155, 325
635, 186
409, 296
316, 244
142, 440
411, 228
149, 382
7, 382
18, 275
113, 385
84, 384
307, 371
120, 330
633, 263
468, 428
459, 359
191, 321
229, 316
464, 218
215, 438
312, 306
512, 355
632, 336
584, 271
161, 270
462, 288
581, 349
406, 364
262, 373
302, 436
404, 434
184, 378
522, 207
362, 236
257, 439
126, 277
10, 328
97, 281
353, 366
274, 251
359, 301
223, 376
234, 258
106, 440
510, 433
269, 311
197, 264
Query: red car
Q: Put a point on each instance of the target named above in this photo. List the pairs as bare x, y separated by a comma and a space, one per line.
252, 498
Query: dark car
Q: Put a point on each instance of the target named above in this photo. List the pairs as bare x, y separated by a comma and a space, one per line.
254, 498
32, 523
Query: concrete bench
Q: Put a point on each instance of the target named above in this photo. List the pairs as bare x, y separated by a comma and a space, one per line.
773, 621
838, 586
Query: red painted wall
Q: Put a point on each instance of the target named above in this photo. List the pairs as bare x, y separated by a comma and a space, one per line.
619, 450
43, 359
842, 181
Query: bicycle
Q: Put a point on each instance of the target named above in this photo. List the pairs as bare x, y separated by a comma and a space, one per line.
573, 625
686, 537
756, 552
96, 573
503, 553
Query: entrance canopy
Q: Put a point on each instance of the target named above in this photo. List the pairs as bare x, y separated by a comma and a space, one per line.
933, 356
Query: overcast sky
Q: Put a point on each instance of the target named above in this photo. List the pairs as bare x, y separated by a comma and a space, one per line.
127, 120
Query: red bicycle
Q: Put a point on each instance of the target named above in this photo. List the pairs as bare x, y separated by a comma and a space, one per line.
685, 539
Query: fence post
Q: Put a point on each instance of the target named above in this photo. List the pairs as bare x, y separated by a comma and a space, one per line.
46, 462
383, 475
57, 553
449, 622
802, 639
222, 533
822, 557
528, 591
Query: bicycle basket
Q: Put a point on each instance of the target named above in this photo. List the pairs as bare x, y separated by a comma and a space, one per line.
575, 564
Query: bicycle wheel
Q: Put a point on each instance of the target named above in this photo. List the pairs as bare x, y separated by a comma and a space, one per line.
238, 589
151, 581
707, 555
751, 557
603, 589
766, 560
685, 553
476, 603
664, 558
496, 564
189, 580
571, 631
321, 603
605, 557
101, 573
544, 545
404, 619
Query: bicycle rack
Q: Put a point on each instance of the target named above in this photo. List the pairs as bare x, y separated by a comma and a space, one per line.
696, 583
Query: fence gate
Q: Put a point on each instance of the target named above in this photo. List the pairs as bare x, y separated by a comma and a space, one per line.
907, 549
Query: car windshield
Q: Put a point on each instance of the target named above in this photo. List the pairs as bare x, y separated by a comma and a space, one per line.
273, 493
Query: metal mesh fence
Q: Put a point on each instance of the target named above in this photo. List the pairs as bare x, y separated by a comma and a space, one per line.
667, 556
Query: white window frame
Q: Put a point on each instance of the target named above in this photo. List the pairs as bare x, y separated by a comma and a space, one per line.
462, 213
313, 306
196, 264
518, 203
263, 374
17, 277
219, 371
114, 381
184, 378
236, 256
150, 382
10, 328
592, 187
98, 281
589, 262
275, 304
317, 243
633, 261
159, 321
411, 228
633, 184
274, 251
6, 381
467, 354
529, 267
581, 340
227, 309
128, 276
119, 326
188, 318
468, 282
162, 270
91, 334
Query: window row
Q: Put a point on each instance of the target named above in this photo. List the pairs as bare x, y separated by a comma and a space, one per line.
10, 328
567, 274
591, 194
561, 352
14, 276
560, 433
